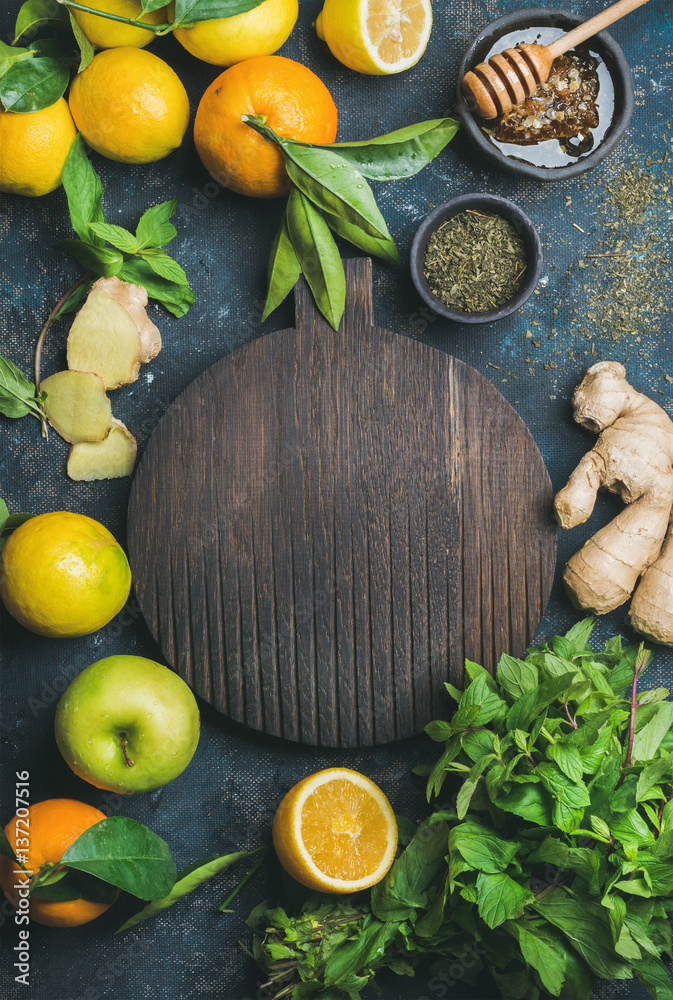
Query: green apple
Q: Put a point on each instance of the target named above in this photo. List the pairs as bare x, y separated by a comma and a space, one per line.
127, 724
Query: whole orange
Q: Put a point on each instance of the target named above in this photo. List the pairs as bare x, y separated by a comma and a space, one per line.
50, 828
297, 105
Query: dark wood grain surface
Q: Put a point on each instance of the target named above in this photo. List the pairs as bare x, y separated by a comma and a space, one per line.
324, 525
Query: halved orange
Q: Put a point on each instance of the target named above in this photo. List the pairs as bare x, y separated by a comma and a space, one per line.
335, 831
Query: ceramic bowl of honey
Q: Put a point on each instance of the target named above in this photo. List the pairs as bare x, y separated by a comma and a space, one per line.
573, 121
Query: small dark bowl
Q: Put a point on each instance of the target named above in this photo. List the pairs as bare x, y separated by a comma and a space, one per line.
614, 60
484, 203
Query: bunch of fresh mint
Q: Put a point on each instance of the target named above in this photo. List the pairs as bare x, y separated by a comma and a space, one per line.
554, 864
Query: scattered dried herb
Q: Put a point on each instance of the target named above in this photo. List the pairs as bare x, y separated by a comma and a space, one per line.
474, 262
618, 291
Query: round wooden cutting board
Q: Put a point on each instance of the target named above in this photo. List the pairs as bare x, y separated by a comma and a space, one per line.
325, 525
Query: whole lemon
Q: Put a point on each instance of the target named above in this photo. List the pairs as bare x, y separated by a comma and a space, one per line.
63, 575
34, 149
130, 106
228, 40
106, 34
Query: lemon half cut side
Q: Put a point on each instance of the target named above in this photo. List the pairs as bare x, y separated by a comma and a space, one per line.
376, 36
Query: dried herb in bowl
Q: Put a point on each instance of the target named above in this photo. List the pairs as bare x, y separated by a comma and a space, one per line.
474, 262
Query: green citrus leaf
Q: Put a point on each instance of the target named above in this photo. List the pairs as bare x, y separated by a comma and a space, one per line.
284, 270
187, 880
123, 852
36, 14
33, 85
318, 255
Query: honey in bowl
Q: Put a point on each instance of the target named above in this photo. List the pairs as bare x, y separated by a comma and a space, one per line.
567, 117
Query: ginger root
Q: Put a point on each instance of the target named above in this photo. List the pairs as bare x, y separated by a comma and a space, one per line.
134, 299
104, 339
633, 457
110, 338
111, 458
76, 406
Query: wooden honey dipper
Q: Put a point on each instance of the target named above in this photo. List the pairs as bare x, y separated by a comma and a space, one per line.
513, 75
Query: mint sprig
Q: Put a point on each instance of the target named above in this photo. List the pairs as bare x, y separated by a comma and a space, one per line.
18, 395
84, 191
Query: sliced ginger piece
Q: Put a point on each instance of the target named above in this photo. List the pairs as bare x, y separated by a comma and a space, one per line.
76, 406
134, 299
109, 459
104, 339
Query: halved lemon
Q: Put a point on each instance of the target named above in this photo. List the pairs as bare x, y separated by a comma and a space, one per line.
335, 832
376, 36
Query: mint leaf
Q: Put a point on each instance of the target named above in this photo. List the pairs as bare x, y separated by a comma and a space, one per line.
516, 677
655, 977
544, 955
585, 925
467, 790
568, 760
534, 701
652, 724
653, 775
154, 229
165, 266
631, 828
120, 238
500, 898
405, 888
17, 393
439, 731
99, 259
481, 849
176, 298
530, 802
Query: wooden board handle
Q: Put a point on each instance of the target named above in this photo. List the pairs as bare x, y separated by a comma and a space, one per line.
593, 26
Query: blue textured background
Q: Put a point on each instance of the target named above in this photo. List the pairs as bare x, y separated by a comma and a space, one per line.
226, 798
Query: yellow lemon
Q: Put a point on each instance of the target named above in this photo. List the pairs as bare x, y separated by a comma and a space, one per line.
106, 34
335, 831
376, 36
228, 40
34, 149
130, 106
63, 574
